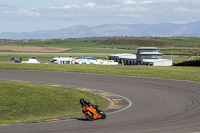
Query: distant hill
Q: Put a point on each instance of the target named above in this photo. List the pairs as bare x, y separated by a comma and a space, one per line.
108, 30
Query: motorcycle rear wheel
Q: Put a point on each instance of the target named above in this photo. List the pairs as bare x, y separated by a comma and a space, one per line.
89, 116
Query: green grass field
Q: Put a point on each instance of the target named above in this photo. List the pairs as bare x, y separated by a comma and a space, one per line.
173, 72
98, 50
25, 102
114, 42
117, 45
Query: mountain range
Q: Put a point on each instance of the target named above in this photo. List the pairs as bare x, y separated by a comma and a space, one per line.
110, 30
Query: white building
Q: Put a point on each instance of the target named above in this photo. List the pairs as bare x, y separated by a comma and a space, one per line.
151, 56
144, 56
148, 53
157, 62
128, 59
115, 57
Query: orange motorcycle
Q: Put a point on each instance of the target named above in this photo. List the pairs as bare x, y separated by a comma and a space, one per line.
91, 113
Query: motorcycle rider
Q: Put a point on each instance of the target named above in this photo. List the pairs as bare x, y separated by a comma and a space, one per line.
86, 103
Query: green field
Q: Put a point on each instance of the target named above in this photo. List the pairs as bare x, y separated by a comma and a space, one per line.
99, 50
25, 102
118, 45
129, 42
173, 72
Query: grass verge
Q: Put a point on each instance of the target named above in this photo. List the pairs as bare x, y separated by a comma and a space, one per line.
173, 72
25, 102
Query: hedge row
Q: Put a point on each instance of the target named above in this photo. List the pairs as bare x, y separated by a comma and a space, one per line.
189, 63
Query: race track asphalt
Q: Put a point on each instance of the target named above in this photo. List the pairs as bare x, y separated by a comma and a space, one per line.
159, 105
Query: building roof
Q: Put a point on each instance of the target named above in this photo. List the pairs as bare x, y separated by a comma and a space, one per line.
117, 55
147, 48
62, 58
133, 56
155, 60
151, 53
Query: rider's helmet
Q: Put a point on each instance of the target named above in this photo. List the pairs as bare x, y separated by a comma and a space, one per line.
82, 101
88, 103
96, 106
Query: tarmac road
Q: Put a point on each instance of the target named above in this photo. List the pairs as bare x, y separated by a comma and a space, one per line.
159, 105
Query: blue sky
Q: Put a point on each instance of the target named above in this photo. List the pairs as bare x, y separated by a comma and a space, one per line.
34, 15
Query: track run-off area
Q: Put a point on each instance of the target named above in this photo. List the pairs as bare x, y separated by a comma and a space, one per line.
158, 105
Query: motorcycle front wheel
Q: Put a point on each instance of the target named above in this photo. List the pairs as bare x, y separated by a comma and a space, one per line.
103, 115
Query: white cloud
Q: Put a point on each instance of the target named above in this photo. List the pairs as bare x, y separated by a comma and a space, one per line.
129, 2
180, 22
89, 4
138, 9
146, 2
129, 15
107, 11
65, 7
23, 12
186, 10
184, 21
85, 5
175, 0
